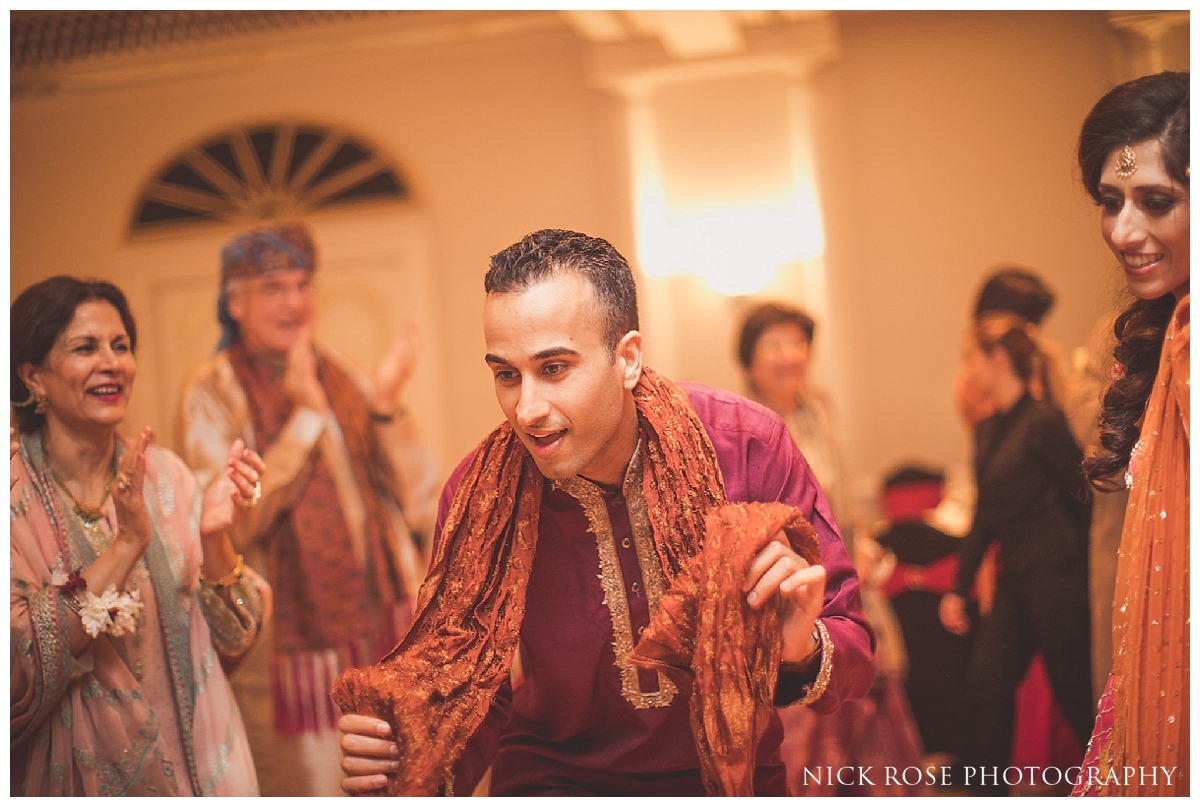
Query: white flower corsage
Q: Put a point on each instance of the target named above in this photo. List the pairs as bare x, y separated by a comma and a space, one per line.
111, 612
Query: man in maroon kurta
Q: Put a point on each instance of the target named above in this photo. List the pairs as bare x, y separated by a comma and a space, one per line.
566, 727
576, 717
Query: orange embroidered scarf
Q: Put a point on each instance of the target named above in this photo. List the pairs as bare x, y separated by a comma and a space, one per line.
705, 630
436, 687
1151, 617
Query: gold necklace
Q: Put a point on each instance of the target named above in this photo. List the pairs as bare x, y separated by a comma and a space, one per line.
86, 513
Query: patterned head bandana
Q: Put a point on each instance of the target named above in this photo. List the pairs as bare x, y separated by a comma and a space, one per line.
254, 253
279, 246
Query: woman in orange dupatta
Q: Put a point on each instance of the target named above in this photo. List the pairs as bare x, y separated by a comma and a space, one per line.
1135, 161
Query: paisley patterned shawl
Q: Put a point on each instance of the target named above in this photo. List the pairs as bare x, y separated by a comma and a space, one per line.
319, 581
705, 630
437, 685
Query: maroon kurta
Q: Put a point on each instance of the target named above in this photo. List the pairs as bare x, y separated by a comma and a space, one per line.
571, 724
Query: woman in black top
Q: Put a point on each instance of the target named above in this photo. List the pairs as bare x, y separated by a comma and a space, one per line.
1033, 502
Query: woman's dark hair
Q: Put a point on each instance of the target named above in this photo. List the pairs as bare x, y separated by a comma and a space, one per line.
1148, 108
1154, 108
767, 315
1140, 330
38, 317
1036, 366
1016, 289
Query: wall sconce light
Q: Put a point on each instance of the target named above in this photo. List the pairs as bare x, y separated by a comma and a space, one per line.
697, 214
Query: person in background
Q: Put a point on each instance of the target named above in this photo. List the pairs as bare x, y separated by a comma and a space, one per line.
1135, 160
926, 562
127, 599
774, 350
1041, 735
1032, 503
350, 483
1022, 292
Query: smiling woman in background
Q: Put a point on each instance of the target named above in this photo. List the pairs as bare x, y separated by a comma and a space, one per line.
774, 350
126, 598
1135, 157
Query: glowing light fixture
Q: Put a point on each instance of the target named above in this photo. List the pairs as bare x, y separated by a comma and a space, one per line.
735, 244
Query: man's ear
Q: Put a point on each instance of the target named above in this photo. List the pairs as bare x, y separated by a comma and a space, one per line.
235, 303
628, 355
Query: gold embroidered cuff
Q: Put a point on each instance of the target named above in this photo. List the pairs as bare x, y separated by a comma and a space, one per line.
816, 689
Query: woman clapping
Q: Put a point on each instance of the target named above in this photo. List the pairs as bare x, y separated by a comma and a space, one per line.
127, 599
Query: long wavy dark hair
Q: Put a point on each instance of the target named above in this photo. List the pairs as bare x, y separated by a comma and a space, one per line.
1149, 108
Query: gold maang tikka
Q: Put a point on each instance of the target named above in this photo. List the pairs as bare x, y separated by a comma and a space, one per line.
1126, 163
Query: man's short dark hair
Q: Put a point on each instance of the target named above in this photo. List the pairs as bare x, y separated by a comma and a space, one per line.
540, 255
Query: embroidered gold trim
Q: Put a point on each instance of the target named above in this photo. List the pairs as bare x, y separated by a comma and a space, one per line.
613, 582
817, 688
643, 541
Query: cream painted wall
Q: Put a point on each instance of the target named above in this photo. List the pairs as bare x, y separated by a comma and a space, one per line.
951, 140
943, 139
945, 145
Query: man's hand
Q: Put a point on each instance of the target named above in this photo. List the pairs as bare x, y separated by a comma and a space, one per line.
777, 569
300, 379
396, 369
369, 753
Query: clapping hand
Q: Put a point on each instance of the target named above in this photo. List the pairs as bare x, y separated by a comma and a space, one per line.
396, 369
232, 492
133, 525
13, 447
300, 380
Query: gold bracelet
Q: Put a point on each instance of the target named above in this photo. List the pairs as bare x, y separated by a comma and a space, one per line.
239, 569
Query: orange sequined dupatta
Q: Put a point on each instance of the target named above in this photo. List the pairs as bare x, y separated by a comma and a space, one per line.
1151, 625
437, 685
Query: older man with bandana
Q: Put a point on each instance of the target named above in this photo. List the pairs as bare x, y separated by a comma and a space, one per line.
349, 484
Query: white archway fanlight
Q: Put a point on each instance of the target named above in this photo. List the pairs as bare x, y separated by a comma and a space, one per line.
263, 171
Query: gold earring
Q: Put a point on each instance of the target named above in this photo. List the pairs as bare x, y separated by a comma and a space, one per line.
40, 409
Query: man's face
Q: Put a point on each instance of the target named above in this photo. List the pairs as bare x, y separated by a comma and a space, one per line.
566, 397
272, 309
